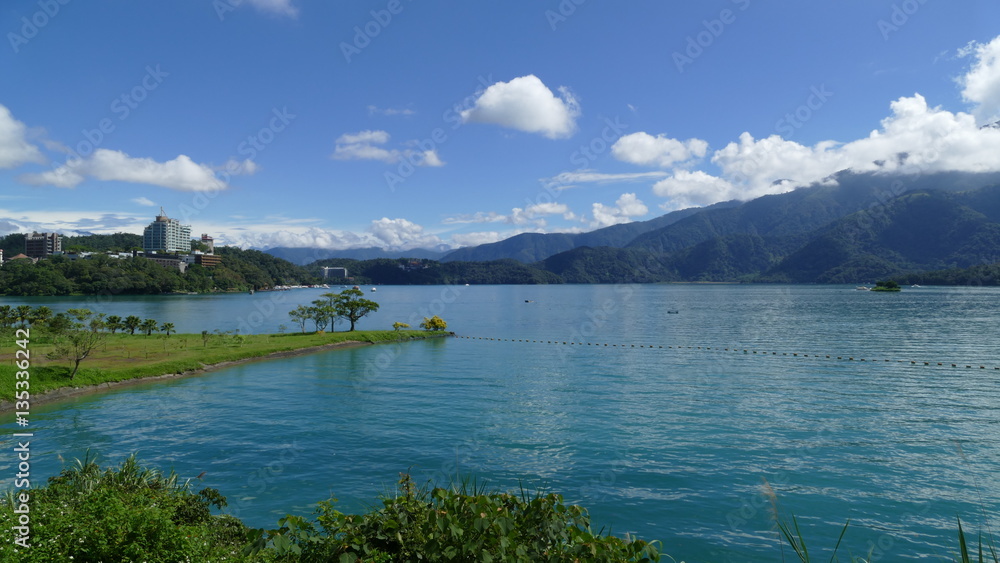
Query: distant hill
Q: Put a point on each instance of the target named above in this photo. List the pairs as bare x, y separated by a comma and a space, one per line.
304, 256
532, 247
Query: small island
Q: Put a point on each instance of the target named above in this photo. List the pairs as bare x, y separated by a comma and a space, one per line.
887, 285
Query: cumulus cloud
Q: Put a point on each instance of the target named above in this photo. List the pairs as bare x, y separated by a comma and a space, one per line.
366, 145
646, 150
401, 234
180, 173
981, 85
694, 189
526, 104
15, 150
914, 139
625, 208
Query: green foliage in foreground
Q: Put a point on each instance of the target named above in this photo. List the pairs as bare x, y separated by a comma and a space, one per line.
136, 514
126, 514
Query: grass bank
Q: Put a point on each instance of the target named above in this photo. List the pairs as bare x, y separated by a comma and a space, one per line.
123, 358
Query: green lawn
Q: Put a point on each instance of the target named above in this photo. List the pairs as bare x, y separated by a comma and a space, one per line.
123, 356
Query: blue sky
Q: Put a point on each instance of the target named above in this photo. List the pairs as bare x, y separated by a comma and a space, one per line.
399, 123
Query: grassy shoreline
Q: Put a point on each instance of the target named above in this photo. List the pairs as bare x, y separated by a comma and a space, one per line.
125, 359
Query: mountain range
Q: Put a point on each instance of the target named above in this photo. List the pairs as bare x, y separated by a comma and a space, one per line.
850, 228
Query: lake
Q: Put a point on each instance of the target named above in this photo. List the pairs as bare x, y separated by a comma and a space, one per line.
663, 409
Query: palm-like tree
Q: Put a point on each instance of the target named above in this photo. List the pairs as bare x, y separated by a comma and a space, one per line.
40, 314
148, 326
114, 322
132, 322
7, 316
167, 328
22, 313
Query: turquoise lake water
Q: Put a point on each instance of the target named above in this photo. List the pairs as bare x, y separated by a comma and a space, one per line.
671, 443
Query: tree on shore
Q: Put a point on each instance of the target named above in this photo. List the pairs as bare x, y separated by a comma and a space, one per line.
114, 322
149, 325
433, 323
167, 328
300, 316
351, 305
81, 336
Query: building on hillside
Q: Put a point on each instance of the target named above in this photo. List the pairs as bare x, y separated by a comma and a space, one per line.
42, 245
202, 259
168, 261
166, 235
22, 256
1, 257
207, 260
334, 273
209, 242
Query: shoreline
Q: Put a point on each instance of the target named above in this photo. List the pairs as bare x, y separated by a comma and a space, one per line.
56, 395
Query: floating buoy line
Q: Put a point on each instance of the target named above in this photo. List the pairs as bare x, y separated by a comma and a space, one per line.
744, 351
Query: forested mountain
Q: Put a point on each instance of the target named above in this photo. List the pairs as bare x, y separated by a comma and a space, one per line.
862, 228
428, 272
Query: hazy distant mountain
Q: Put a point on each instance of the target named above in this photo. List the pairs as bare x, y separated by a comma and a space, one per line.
532, 247
303, 256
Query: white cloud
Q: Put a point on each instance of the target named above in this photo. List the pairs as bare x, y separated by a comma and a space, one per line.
531, 215
363, 145
627, 207
430, 158
143, 201
278, 7
401, 234
15, 150
691, 189
180, 173
240, 168
526, 104
646, 150
71, 221
981, 85
914, 139
566, 180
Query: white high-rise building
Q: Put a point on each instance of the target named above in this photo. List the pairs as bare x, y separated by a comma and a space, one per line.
166, 235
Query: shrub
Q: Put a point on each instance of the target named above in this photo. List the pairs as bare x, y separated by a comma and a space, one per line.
454, 525
433, 323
